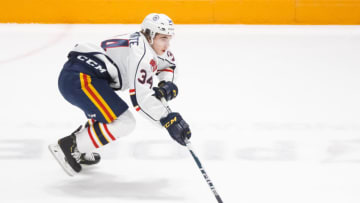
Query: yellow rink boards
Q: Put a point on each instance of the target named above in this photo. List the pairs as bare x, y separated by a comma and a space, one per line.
183, 11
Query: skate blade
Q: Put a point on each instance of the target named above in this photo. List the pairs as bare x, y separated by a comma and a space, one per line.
60, 158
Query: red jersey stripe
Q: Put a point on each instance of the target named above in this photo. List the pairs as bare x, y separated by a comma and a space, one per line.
108, 132
91, 137
166, 70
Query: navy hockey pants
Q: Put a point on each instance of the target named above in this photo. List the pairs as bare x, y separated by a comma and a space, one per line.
91, 94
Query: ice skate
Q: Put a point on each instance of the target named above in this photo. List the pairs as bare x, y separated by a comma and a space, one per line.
73, 167
67, 154
69, 157
61, 159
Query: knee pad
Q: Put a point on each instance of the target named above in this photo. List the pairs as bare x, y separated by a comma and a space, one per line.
123, 125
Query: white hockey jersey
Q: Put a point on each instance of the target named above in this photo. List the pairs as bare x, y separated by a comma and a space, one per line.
133, 65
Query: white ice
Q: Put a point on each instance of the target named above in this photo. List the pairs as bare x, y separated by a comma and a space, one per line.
274, 112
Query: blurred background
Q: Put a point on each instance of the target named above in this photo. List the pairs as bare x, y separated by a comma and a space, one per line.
269, 88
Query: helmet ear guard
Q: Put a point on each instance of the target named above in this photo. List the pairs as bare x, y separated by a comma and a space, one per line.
157, 23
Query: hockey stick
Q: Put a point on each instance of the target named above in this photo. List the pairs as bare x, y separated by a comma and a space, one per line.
198, 163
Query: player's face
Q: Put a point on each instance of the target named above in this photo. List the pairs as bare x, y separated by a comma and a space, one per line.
161, 43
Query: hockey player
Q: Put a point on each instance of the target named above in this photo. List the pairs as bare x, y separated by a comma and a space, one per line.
132, 62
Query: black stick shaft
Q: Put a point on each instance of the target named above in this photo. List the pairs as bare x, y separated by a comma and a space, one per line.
198, 163
203, 172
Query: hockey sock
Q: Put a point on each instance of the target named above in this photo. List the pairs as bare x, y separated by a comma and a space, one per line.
97, 134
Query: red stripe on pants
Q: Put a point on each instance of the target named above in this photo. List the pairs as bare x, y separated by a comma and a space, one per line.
96, 99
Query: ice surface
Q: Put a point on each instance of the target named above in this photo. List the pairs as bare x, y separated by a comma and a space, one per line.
274, 112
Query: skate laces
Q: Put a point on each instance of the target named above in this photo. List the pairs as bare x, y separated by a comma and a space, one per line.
88, 156
76, 154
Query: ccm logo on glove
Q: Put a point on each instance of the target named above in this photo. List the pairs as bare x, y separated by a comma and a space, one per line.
166, 125
177, 127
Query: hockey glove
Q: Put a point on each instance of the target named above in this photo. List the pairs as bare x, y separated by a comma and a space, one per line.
167, 90
177, 127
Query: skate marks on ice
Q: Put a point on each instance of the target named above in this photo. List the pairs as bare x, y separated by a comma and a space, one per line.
29, 48
257, 149
95, 184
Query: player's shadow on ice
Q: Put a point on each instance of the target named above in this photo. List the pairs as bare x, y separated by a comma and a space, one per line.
102, 185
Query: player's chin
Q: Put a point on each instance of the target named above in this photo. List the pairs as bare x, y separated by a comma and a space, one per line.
160, 52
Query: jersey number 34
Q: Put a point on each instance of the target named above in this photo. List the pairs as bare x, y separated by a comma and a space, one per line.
143, 78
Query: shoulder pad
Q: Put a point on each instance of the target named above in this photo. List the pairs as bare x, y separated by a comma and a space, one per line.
87, 47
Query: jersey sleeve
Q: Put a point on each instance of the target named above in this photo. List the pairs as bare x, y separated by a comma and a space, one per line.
142, 80
167, 70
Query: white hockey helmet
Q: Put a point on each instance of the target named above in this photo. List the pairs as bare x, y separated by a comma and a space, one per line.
157, 23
